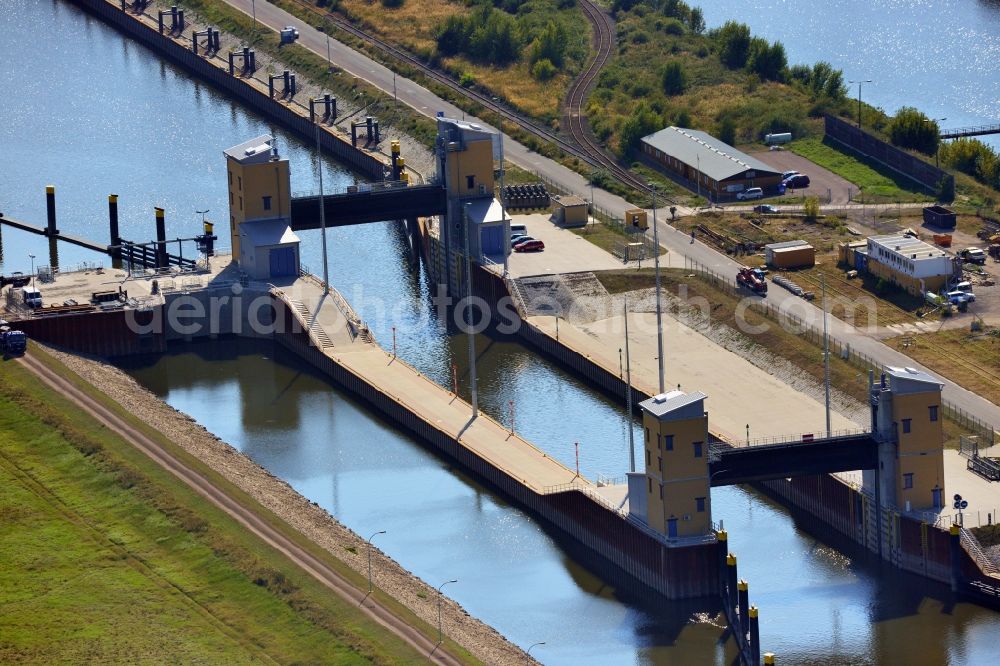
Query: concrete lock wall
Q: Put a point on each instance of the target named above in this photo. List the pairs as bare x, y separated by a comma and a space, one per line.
216, 71
635, 556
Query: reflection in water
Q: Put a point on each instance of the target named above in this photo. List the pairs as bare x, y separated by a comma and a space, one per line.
441, 523
818, 604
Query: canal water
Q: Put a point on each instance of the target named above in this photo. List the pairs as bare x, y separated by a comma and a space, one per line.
155, 136
940, 57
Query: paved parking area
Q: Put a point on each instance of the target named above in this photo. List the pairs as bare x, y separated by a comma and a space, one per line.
565, 251
822, 183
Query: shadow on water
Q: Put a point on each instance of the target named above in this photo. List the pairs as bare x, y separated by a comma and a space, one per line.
273, 413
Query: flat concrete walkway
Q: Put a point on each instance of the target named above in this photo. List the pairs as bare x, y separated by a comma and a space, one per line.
435, 405
739, 393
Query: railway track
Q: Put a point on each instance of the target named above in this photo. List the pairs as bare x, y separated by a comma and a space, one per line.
574, 112
582, 143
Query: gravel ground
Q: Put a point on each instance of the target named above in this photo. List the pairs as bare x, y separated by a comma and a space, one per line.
307, 517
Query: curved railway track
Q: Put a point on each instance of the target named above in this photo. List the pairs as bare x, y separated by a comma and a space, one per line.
582, 145
574, 111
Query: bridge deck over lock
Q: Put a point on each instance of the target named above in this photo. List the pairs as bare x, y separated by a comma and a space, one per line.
375, 205
732, 465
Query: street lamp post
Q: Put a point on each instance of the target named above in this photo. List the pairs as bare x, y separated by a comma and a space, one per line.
937, 146
370, 559
253, 8
440, 595
656, 270
527, 654
32, 271
859, 97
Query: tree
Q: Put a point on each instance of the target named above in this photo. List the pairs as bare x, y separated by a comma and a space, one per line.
727, 131
734, 43
696, 21
912, 129
642, 122
766, 60
683, 118
674, 78
550, 44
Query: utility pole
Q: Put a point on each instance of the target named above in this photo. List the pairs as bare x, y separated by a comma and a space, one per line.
503, 204
468, 311
659, 312
826, 357
859, 97
322, 215
628, 397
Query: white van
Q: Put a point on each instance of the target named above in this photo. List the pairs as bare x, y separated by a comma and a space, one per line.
750, 193
31, 297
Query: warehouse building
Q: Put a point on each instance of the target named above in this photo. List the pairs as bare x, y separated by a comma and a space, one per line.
910, 263
709, 166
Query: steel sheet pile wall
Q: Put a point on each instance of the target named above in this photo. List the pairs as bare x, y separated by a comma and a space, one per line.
216, 71
98, 333
914, 546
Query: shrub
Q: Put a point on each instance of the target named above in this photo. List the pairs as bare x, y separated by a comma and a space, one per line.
912, 129
673, 78
466, 80
550, 44
727, 131
683, 118
945, 190
639, 124
811, 207
392, 4
733, 40
767, 61
673, 27
543, 70
640, 37
696, 21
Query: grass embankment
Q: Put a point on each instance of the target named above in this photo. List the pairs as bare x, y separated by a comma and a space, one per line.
413, 25
109, 558
971, 360
778, 339
606, 236
877, 184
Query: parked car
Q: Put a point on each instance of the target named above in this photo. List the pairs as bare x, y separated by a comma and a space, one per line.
750, 193
530, 246
960, 297
973, 255
786, 174
765, 208
796, 180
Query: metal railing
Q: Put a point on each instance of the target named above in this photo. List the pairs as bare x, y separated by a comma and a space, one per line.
972, 547
805, 438
356, 326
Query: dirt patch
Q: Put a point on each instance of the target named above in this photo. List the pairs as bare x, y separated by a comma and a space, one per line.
307, 517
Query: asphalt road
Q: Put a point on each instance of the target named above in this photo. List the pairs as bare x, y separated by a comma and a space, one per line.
428, 103
316, 568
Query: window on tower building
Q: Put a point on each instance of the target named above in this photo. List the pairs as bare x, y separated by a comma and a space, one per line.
267, 203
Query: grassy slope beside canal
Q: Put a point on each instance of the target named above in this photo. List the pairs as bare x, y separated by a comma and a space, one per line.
109, 558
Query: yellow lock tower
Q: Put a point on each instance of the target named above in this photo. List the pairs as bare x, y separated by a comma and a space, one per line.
674, 490
259, 210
